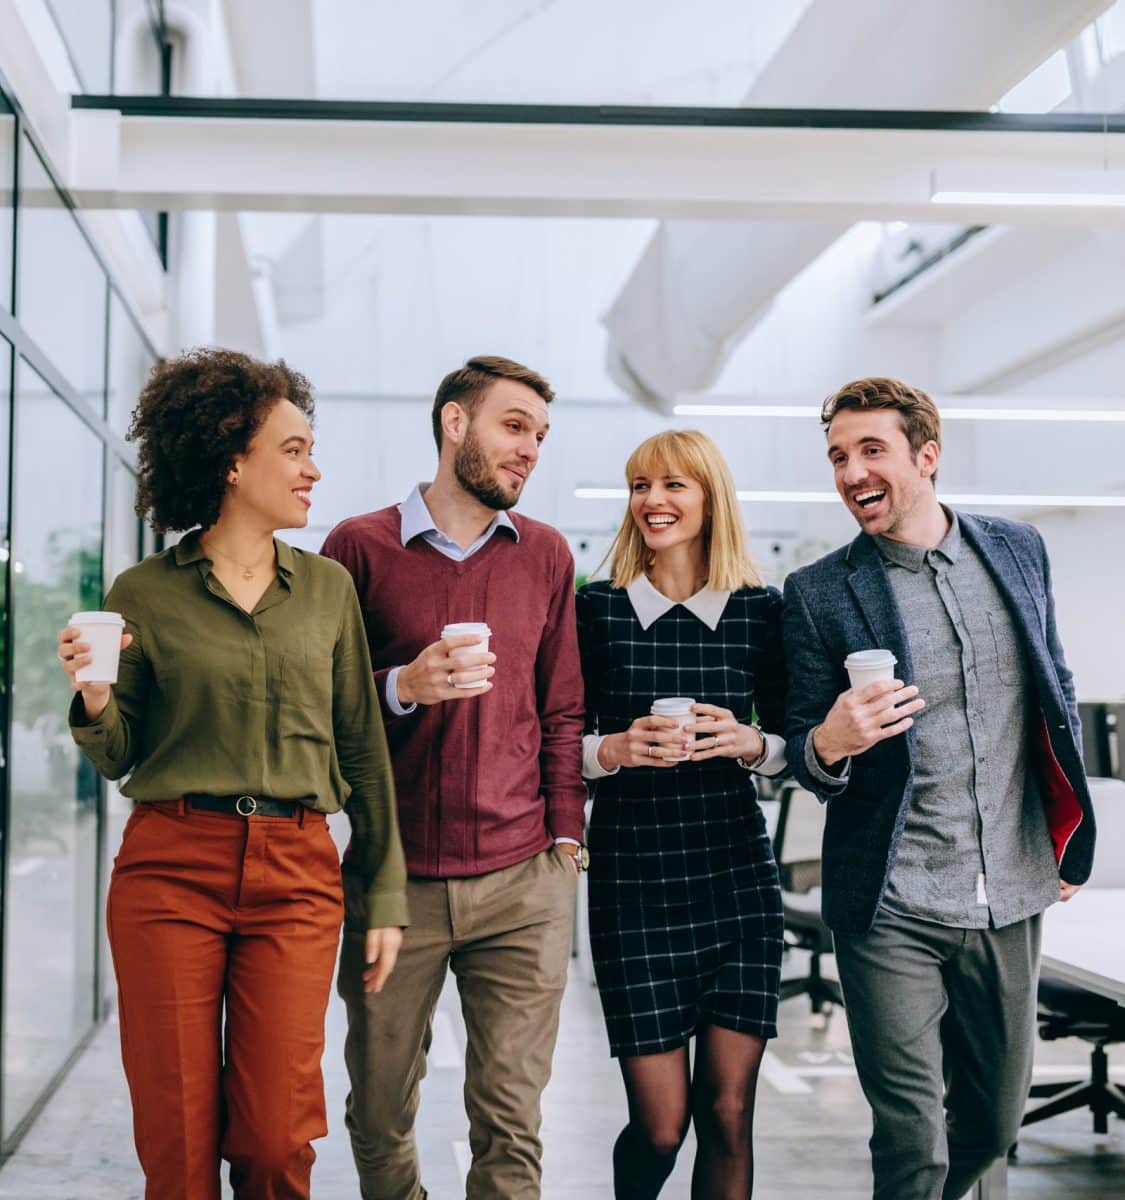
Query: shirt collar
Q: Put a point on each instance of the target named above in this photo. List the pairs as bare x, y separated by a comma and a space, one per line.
417, 519
707, 604
913, 558
189, 550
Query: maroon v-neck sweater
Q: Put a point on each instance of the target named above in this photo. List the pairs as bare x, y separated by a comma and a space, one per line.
491, 781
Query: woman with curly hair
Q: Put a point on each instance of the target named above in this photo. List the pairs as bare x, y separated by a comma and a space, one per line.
685, 904
244, 712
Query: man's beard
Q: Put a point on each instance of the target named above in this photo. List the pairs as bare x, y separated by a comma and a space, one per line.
472, 470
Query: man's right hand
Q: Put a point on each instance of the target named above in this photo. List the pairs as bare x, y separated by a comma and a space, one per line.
860, 719
430, 678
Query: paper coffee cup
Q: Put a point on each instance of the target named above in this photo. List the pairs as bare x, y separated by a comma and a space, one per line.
870, 666
483, 634
102, 630
678, 708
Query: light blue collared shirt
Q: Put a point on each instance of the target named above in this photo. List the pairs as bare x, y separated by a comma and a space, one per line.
418, 521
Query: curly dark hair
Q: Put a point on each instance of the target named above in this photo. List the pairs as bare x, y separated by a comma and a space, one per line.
195, 413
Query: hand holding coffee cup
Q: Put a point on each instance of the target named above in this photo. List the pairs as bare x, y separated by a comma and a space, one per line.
90, 649
656, 740
719, 734
455, 667
876, 707
473, 650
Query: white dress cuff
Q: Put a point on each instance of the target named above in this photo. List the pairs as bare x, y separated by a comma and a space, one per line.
591, 768
774, 762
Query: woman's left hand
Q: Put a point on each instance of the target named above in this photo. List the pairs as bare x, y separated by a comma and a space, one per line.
721, 735
381, 952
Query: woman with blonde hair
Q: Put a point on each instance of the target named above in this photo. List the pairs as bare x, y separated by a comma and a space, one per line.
685, 905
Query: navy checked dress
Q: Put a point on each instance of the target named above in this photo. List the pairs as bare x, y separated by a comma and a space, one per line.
685, 903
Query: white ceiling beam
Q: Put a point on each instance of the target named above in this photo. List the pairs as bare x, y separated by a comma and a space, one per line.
698, 290
692, 172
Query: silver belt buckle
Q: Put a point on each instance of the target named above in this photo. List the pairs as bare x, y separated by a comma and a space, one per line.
246, 812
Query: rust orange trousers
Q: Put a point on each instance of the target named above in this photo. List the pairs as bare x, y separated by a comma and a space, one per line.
224, 932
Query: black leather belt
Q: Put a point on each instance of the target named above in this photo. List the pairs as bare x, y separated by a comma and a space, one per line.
244, 806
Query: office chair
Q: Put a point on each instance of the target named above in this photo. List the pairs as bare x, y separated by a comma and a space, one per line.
796, 846
1069, 1011
1066, 1010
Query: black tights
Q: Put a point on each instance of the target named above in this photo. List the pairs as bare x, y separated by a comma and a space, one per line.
664, 1098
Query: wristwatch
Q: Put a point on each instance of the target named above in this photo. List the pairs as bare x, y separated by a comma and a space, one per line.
755, 763
581, 855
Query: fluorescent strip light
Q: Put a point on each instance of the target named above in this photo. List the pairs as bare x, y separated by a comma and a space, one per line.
985, 500
1032, 414
1033, 199
805, 411
788, 497
1004, 501
747, 410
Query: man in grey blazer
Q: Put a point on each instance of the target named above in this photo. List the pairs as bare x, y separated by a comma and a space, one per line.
957, 803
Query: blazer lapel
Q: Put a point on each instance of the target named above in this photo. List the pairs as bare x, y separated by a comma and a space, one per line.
1008, 574
869, 585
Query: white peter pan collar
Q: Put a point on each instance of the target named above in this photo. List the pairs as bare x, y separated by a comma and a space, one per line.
707, 604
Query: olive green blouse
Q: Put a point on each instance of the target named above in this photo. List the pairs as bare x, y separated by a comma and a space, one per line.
279, 702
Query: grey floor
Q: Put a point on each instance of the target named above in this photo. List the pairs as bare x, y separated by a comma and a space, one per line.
811, 1129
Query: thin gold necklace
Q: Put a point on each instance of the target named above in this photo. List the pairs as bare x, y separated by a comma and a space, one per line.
247, 571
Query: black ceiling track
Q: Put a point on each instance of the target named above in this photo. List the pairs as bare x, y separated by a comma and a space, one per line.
602, 114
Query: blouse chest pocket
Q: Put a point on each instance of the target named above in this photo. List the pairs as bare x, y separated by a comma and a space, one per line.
305, 697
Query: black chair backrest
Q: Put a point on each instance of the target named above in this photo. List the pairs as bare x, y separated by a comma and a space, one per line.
796, 842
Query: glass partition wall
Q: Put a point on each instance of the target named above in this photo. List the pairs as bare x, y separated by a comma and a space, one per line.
72, 360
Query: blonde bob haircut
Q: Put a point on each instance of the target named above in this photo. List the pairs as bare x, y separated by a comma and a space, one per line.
693, 454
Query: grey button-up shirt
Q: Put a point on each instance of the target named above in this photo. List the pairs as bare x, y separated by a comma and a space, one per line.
975, 850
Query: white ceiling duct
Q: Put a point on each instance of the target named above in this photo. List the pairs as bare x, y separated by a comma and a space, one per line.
700, 287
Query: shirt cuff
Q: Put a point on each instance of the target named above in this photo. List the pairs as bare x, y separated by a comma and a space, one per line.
774, 762
837, 778
386, 909
569, 841
392, 694
591, 768
83, 728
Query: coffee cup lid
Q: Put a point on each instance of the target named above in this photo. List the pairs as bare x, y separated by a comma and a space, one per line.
672, 704
860, 659
96, 618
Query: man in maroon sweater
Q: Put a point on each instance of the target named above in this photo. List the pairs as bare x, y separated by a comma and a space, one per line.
489, 787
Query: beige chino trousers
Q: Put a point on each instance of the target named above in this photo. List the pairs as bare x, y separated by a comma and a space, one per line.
506, 937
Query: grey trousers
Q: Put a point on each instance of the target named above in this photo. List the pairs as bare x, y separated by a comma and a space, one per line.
942, 1023
506, 937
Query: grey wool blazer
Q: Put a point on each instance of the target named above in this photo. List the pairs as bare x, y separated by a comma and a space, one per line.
844, 602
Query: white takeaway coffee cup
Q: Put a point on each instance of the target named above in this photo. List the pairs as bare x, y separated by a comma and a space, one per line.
679, 709
870, 666
102, 630
483, 634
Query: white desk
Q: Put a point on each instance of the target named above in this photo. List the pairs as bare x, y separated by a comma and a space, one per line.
1083, 943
